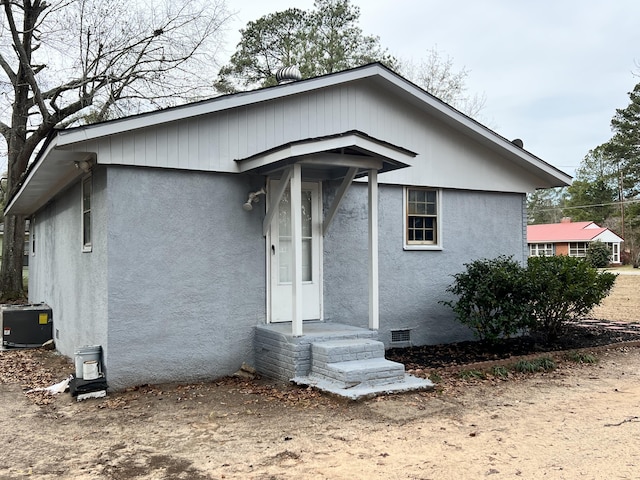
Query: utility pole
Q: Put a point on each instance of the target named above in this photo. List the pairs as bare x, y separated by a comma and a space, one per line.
621, 196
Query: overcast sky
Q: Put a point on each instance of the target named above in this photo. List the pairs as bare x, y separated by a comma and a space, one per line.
553, 72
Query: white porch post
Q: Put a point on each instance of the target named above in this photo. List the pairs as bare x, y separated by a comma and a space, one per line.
296, 251
374, 313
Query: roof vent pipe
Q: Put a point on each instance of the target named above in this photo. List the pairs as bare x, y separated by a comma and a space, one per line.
288, 75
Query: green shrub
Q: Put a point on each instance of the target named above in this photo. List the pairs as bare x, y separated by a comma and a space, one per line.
598, 254
493, 298
564, 289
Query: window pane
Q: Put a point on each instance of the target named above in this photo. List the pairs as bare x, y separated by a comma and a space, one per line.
86, 194
306, 260
422, 214
306, 213
284, 215
86, 220
421, 229
284, 234
285, 261
86, 212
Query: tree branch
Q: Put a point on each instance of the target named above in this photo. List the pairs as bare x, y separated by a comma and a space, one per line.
23, 56
7, 70
5, 131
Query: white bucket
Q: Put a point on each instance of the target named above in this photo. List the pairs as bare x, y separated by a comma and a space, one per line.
90, 370
86, 353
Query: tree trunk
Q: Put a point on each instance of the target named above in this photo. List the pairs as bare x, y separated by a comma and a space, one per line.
12, 257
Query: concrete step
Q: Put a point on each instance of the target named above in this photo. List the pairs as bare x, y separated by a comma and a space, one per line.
371, 371
355, 361
362, 391
334, 351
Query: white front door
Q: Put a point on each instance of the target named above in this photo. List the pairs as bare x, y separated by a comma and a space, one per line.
281, 261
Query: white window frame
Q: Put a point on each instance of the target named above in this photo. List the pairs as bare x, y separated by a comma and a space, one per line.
437, 245
615, 251
87, 246
578, 249
32, 236
542, 249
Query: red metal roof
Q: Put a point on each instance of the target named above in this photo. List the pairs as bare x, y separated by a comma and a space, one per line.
563, 232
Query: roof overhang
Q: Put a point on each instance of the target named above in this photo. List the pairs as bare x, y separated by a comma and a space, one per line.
330, 157
54, 167
45, 179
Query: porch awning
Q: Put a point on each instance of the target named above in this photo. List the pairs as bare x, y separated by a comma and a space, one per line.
330, 157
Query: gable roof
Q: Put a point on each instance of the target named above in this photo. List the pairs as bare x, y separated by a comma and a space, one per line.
569, 232
54, 167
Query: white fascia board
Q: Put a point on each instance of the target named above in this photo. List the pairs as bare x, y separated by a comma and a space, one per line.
46, 179
564, 240
150, 119
474, 129
9, 209
311, 147
374, 72
406, 89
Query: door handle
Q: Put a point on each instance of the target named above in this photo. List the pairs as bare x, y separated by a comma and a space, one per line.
273, 249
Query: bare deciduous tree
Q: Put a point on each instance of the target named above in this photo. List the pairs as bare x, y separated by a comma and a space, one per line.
81, 61
438, 76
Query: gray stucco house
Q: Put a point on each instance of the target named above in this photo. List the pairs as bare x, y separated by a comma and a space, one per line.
190, 240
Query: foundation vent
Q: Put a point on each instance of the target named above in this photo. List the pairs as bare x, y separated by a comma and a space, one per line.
400, 336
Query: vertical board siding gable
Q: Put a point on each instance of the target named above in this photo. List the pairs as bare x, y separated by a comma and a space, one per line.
446, 158
213, 142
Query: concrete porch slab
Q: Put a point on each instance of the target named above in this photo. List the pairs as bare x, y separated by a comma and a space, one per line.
364, 391
314, 330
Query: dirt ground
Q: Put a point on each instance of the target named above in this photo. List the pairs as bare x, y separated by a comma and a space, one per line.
577, 421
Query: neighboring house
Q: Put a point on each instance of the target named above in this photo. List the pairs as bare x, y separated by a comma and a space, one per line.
154, 238
570, 238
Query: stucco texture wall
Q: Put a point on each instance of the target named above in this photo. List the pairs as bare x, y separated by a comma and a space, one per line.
186, 275
72, 282
412, 283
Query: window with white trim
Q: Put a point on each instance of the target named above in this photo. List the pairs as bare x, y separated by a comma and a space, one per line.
541, 250
578, 249
32, 234
421, 214
87, 193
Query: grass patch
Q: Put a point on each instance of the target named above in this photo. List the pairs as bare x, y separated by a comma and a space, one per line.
542, 364
581, 357
435, 377
500, 371
472, 375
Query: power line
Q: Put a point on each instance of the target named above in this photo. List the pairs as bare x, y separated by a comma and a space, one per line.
632, 200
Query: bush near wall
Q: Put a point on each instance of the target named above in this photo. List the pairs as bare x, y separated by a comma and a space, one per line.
493, 298
598, 254
498, 298
564, 289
